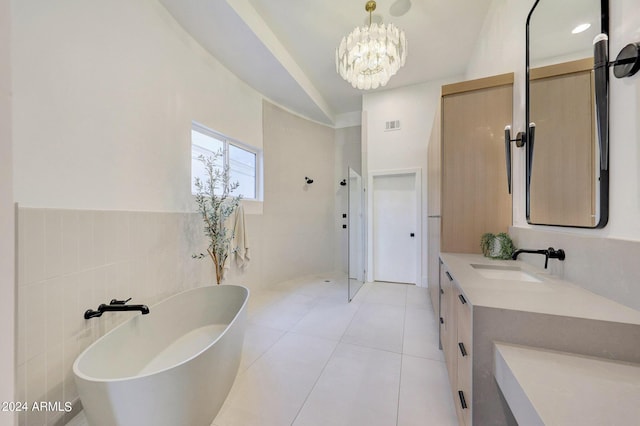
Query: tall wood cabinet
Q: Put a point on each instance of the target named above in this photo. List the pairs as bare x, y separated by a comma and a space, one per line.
467, 197
433, 208
475, 197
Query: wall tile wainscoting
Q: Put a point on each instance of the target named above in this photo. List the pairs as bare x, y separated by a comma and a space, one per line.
74, 260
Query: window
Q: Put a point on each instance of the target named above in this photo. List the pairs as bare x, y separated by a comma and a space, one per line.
243, 160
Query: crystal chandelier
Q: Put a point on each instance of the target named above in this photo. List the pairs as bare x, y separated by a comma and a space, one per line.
370, 55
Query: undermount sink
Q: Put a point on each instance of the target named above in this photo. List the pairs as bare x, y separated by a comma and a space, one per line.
499, 272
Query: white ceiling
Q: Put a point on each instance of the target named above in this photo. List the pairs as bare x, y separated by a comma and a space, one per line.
285, 49
550, 31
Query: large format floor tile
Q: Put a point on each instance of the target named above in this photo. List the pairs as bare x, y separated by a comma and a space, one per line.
257, 341
425, 394
387, 293
274, 388
377, 326
282, 314
421, 334
359, 386
327, 319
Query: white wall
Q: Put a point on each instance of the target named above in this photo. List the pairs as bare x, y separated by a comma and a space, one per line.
501, 48
7, 243
348, 153
624, 210
415, 107
298, 221
104, 95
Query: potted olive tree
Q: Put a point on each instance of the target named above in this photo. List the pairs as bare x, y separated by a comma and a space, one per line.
216, 205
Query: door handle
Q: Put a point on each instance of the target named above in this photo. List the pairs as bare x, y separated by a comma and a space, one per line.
412, 235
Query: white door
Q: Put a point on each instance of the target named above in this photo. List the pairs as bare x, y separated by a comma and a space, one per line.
395, 228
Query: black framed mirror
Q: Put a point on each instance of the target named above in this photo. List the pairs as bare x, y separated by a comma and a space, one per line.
567, 176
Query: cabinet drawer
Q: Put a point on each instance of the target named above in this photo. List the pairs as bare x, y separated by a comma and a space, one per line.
463, 307
464, 342
463, 323
442, 297
465, 358
448, 327
456, 338
447, 314
463, 402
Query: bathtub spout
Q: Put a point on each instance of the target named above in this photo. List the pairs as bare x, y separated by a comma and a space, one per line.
90, 313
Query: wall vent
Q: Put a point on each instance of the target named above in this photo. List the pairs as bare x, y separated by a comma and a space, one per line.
392, 125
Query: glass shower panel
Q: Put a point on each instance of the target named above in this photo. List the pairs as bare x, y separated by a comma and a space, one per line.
356, 234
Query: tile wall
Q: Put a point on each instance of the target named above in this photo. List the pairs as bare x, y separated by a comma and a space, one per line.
606, 266
73, 260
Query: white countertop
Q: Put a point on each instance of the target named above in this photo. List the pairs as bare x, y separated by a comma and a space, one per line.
551, 296
545, 387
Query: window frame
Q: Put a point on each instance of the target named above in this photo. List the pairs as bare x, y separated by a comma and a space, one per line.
226, 141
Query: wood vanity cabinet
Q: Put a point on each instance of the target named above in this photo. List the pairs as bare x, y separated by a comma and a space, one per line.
455, 336
479, 313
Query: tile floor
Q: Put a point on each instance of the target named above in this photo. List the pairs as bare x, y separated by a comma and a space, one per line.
310, 358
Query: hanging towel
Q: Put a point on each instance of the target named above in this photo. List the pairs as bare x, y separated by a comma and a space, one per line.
240, 242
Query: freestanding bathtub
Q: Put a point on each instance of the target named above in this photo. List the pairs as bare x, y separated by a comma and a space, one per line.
174, 366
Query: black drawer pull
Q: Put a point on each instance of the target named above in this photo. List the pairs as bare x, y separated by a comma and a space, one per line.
462, 299
448, 275
441, 320
463, 402
463, 351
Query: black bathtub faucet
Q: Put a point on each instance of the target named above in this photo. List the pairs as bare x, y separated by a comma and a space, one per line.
549, 253
115, 305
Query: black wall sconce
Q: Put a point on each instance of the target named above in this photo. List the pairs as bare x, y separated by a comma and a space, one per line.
627, 62
520, 140
308, 181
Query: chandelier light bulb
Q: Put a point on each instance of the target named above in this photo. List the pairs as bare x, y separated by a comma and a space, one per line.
370, 55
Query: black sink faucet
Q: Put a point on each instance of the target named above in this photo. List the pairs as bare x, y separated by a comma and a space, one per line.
115, 305
549, 253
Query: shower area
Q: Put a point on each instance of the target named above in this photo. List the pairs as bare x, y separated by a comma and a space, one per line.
351, 254
356, 230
